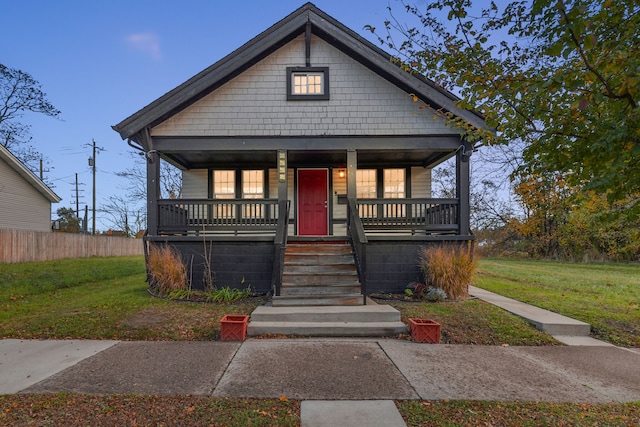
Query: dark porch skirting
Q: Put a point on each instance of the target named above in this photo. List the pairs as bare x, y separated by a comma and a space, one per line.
393, 264
236, 263
240, 261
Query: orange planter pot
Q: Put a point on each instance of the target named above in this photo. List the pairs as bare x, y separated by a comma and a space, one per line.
233, 328
424, 330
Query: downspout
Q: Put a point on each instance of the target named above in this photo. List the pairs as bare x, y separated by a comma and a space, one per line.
136, 147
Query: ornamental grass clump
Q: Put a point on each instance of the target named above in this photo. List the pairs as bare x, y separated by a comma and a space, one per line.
168, 272
449, 268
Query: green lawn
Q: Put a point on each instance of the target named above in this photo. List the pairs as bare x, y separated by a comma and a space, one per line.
100, 298
106, 298
607, 296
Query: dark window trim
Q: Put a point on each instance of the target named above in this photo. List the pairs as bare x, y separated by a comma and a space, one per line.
307, 97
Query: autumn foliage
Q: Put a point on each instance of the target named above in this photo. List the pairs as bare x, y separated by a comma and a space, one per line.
449, 268
168, 272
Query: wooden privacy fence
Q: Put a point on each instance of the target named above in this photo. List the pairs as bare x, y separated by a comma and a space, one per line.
28, 246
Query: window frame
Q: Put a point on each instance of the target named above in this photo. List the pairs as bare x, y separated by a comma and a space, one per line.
324, 96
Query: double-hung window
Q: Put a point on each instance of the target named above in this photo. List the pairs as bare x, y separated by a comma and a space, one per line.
253, 188
224, 187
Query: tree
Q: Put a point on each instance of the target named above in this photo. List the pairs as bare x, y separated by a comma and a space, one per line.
20, 93
170, 179
560, 76
68, 221
123, 217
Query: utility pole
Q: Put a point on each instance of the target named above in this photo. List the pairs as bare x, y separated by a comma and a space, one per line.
92, 163
76, 193
77, 199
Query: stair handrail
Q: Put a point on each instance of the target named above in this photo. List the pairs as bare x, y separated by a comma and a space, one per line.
358, 240
280, 244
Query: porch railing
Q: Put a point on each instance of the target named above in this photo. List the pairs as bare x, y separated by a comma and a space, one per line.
358, 241
428, 215
187, 216
280, 244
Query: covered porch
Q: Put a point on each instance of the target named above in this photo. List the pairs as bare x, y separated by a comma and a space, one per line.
248, 236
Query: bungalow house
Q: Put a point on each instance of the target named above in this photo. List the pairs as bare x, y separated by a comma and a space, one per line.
306, 166
25, 201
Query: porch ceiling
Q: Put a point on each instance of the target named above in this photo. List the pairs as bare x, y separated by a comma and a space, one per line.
197, 153
267, 159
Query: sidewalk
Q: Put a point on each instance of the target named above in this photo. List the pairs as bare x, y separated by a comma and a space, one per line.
318, 370
340, 381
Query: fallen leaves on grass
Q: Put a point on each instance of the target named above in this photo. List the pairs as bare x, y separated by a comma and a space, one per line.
68, 409
474, 413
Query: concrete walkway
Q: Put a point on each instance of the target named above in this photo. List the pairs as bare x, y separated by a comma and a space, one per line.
340, 381
322, 373
565, 329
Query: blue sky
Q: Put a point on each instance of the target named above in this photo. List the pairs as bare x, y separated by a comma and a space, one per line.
100, 62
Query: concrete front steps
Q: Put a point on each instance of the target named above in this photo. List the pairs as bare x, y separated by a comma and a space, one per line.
319, 274
370, 320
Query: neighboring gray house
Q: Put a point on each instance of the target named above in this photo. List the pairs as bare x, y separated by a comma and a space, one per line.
25, 201
307, 134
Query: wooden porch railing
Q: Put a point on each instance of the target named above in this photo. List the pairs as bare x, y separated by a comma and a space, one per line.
428, 215
280, 244
358, 240
186, 216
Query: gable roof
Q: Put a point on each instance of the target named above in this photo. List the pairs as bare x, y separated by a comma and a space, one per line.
28, 176
323, 26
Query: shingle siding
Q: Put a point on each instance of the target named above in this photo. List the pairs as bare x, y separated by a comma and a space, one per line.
255, 102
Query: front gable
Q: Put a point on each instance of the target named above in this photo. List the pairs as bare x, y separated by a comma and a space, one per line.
255, 102
371, 99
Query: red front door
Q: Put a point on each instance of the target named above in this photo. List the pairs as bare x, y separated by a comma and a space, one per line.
313, 211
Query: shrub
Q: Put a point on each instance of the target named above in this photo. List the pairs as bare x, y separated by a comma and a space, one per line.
449, 268
435, 295
168, 272
423, 292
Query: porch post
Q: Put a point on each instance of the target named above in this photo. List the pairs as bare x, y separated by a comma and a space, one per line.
153, 191
462, 189
283, 192
352, 166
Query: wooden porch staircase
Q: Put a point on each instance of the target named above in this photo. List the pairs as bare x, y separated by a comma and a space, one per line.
319, 274
321, 296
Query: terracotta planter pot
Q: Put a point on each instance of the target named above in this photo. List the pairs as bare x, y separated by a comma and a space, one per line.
233, 328
424, 330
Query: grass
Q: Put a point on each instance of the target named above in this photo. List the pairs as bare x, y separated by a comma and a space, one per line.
468, 413
607, 296
106, 298
100, 298
70, 409
474, 322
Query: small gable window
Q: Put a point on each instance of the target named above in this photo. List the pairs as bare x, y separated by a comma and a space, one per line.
307, 83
